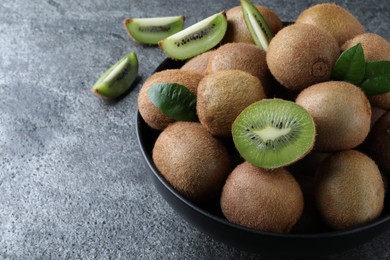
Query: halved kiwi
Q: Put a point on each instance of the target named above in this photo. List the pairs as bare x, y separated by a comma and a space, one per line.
196, 39
153, 30
272, 133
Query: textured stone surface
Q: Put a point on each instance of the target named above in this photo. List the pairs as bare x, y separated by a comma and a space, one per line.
72, 181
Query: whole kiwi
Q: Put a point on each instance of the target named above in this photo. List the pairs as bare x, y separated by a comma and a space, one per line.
222, 96
198, 63
237, 29
378, 142
349, 190
341, 112
265, 200
242, 56
149, 112
301, 55
334, 19
375, 48
191, 160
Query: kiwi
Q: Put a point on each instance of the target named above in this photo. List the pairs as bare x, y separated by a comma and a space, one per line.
375, 48
195, 39
237, 30
334, 19
257, 26
242, 56
273, 133
191, 160
118, 78
198, 63
153, 30
341, 112
301, 55
265, 200
378, 142
222, 96
149, 112
349, 190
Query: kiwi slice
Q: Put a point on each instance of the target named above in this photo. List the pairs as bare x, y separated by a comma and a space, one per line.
196, 39
118, 78
256, 24
153, 30
272, 133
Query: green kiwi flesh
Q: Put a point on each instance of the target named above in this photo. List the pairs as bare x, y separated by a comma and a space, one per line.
118, 78
257, 26
153, 30
195, 39
272, 133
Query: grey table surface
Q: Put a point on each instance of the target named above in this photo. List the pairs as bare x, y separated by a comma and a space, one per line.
72, 181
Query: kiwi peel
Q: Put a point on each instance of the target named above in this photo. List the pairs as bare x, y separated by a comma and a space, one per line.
196, 39
273, 133
118, 78
257, 26
153, 30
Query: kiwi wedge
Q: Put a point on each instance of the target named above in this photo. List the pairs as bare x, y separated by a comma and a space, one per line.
118, 78
273, 133
257, 25
195, 39
153, 30
237, 29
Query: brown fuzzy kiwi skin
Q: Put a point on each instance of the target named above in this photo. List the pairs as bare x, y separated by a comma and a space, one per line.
301, 55
378, 142
334, 19
194, 162
149, 112
264, 200
375, 48
237, 29
349, 190
341, 112
245, 57
222, 96
198, 63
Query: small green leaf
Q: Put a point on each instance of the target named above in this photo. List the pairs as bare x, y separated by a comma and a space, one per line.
350, 66
174, 100
376, 85
377, 68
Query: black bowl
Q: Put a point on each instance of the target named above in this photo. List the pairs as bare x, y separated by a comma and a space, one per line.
208, 218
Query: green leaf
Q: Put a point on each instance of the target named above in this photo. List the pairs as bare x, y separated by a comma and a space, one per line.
377, 68
350, 66
376, 85
174, 100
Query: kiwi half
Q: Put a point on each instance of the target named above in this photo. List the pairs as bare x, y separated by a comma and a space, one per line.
153, 30
196, 39
272, 133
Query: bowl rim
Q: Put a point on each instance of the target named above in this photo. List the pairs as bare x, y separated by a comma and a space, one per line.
382, 220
